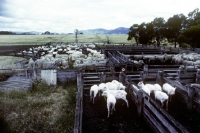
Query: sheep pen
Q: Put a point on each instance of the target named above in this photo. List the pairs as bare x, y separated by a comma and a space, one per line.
123, 119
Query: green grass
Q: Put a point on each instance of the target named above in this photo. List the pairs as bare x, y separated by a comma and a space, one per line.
45, 109
7, 62
42, 39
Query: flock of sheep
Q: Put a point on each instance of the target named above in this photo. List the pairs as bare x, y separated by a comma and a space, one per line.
162, 94
112, 90
58, 56
179, 59
116, 90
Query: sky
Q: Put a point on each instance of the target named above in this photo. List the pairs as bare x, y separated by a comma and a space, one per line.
63, 16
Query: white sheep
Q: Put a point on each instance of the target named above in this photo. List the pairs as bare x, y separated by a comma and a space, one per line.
143, 87
111, 101
102, 87
149, 58
115, 86
170, 90
93, 92
157, 87
162, 97
121, 86
151, 87
119, 94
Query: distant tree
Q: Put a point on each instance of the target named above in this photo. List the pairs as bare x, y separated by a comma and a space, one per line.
174, 26
159, 26
194, 17
192, 36
145, 33
134, 33
6, 33
47, 33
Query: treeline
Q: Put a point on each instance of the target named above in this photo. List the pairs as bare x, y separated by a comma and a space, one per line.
179, 29
7, 33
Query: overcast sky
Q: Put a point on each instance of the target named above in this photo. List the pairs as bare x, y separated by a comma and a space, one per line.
67, 15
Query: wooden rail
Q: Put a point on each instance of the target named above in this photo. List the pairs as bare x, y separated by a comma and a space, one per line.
79, 106
156, 117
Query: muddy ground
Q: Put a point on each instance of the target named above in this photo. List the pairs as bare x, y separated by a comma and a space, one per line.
123, 120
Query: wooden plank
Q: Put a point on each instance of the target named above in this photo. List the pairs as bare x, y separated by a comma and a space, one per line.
152, 122
176, 124
159, 116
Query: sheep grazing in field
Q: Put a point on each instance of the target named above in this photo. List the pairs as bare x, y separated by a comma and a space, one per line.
143, 87
162, 97
111, 101
93, 92
170, 90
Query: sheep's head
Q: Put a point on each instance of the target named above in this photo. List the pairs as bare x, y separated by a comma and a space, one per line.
102, 87
104, 93
140, 83
122, 87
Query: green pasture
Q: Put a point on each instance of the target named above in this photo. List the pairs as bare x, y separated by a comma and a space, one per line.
70, 38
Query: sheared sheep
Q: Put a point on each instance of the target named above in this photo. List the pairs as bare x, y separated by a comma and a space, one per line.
162, 97
93, 92
119, 94
143, 87
115, 86
170, 90
111, 101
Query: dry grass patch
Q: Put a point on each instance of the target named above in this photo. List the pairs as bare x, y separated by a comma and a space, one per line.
7, 62
45, 109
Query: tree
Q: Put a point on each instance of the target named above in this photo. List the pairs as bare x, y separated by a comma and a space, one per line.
134, 33
159, 26
174, 26
145, 33
193, 36
194, 17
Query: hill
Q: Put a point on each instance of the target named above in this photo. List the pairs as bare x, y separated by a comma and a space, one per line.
119, 30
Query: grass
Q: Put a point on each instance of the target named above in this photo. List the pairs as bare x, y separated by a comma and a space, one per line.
7, 62
45, 109
42, 39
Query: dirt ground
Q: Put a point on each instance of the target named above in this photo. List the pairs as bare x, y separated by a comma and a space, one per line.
123, 120
9, 50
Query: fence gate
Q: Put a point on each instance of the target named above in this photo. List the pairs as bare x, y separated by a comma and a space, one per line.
50, 76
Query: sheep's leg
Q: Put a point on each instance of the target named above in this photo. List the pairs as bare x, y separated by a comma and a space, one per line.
108, 107
161, 104
169, 98
167, 105
126, 102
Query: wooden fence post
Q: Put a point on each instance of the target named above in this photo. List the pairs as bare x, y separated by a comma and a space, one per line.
191, 93
140, 103
198, 76
102, 77
121, 77
145, 70
159, 77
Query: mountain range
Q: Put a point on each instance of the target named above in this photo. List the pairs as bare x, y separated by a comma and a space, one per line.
119, 30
